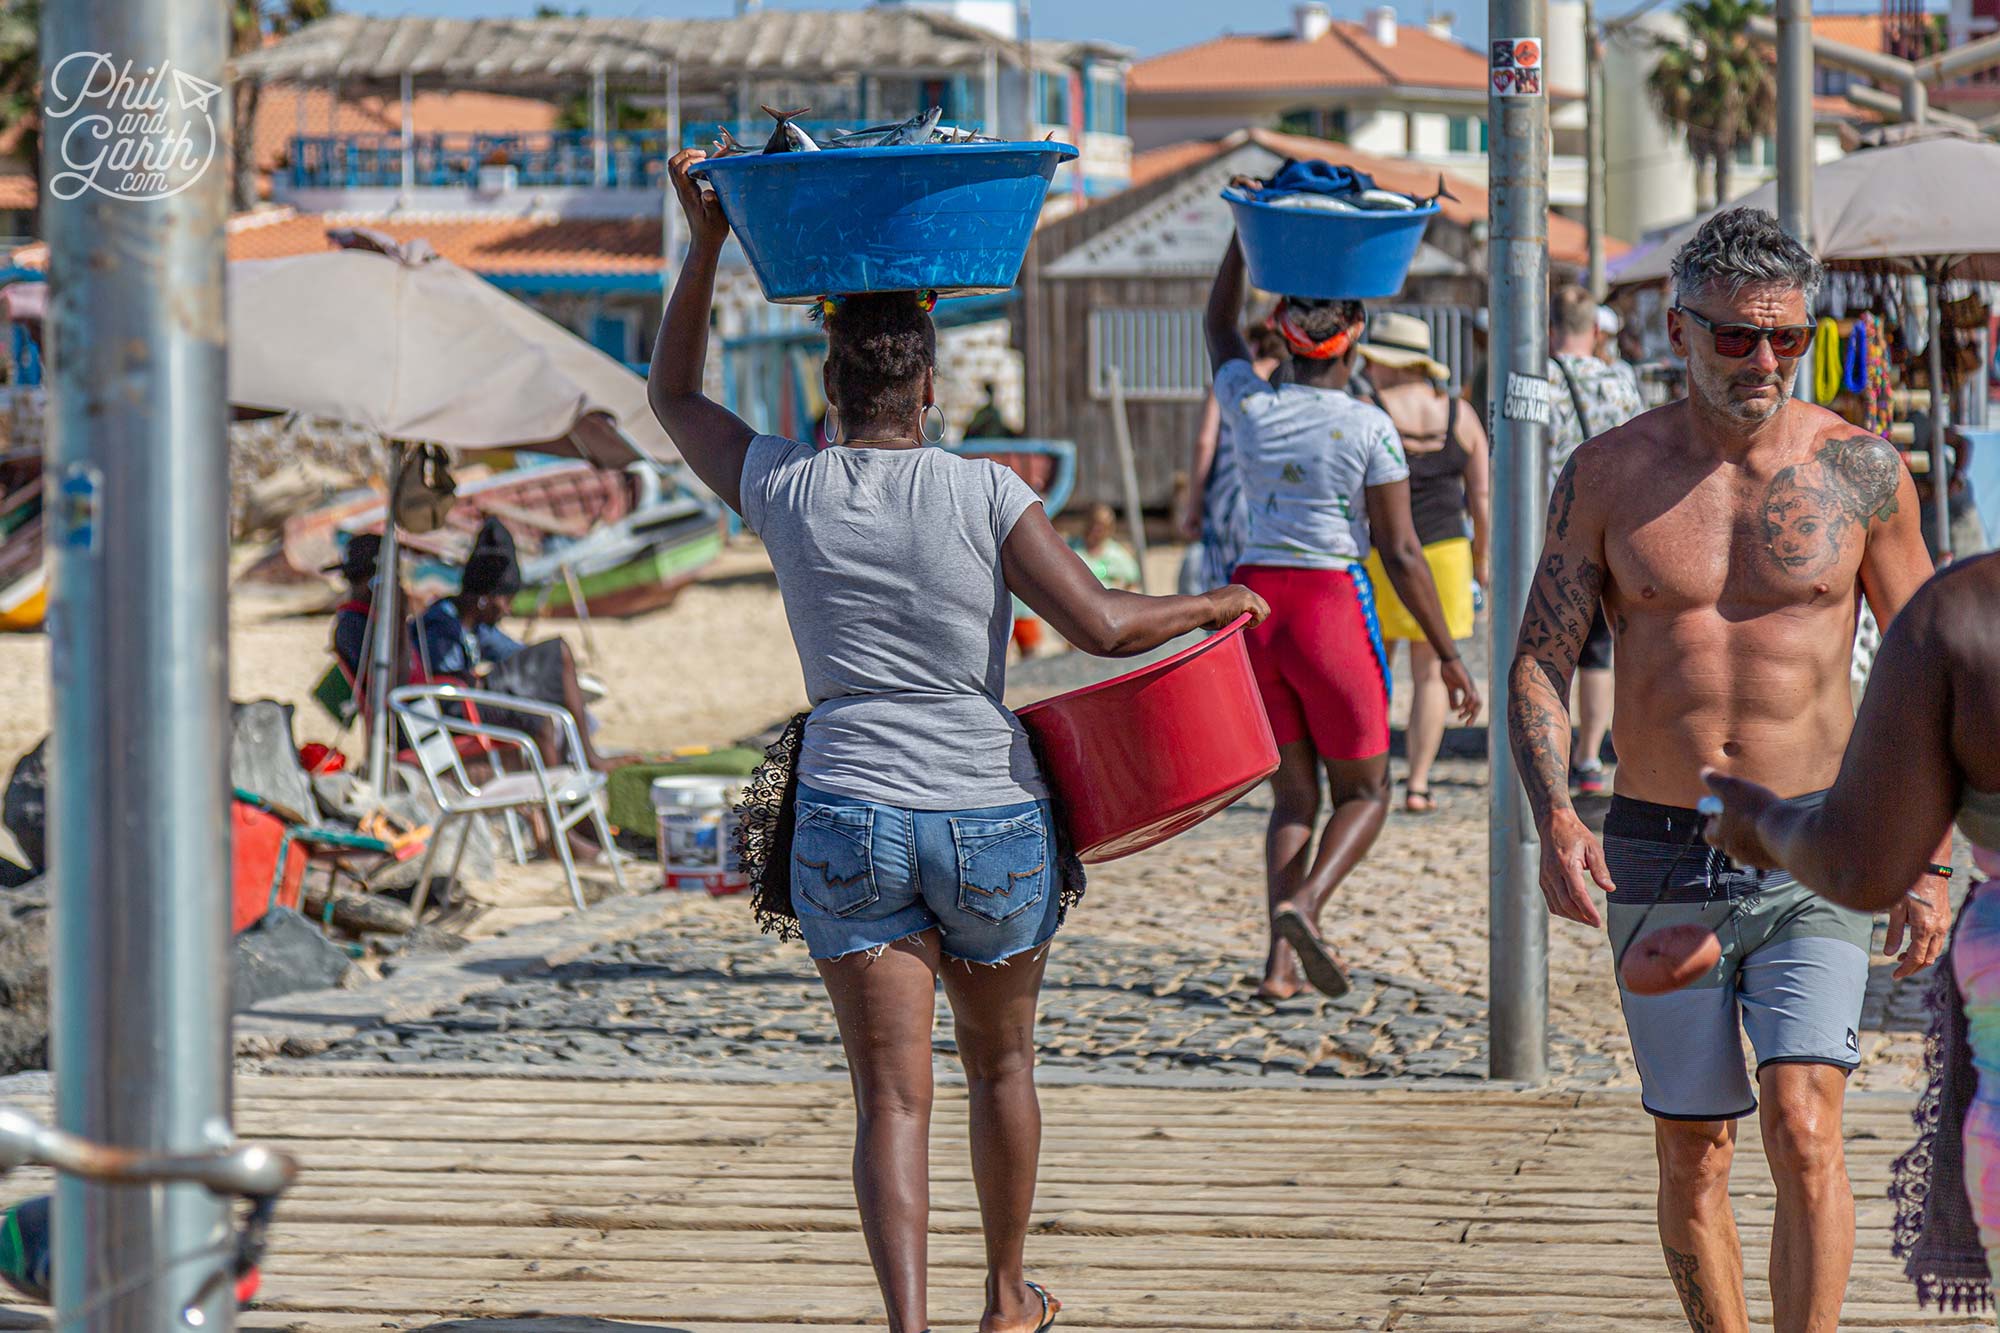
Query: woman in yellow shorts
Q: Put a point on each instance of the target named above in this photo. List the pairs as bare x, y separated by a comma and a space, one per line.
1448, 479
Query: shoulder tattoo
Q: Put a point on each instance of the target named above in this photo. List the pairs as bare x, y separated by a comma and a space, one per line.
1812, 508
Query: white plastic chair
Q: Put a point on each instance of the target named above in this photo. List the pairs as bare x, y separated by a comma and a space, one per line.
568, 794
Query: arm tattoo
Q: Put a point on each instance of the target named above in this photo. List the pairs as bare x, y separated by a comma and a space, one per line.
1564, 497
1811, 508
1560, 606
1684, 1269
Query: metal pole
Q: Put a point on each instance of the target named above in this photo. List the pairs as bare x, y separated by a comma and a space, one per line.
139, 779
388, 629
1916, 103
1121, 435
1518, 265
1940, 474
992, 99
1795, 139
1593, 134
600, 145
409, 133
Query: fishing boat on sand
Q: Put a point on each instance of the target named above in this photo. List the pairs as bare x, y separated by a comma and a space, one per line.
621, 543
24, 581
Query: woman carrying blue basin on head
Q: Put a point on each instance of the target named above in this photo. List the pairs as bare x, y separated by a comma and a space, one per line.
924, 845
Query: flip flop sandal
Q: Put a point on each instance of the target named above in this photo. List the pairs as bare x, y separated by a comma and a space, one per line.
1049, 1308
1315, 959
1411, 795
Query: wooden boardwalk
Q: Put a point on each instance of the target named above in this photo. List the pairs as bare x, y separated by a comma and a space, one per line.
529, 1206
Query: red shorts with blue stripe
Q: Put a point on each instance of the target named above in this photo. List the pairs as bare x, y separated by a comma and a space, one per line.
1319, 659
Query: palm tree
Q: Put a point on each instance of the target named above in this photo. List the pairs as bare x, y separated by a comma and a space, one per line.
21, 79
251, 22
1718, 85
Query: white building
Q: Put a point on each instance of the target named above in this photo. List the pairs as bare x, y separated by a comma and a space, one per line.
1385, 87
1649, 175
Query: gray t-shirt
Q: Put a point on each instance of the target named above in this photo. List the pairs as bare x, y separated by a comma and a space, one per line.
889, 562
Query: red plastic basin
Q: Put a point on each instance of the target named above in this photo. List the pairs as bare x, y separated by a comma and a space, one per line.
1135, 760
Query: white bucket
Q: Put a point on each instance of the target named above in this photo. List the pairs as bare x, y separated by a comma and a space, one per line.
697, 833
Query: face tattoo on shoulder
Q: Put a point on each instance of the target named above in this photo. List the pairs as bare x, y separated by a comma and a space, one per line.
1811, 508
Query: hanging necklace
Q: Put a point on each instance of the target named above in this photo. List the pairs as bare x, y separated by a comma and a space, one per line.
887, 439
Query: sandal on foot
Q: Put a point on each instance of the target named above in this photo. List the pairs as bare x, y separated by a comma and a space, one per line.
1051, 1307
1322, 969
1410, 798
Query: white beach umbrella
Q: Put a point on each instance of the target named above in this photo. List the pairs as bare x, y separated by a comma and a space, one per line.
1911, 206
421, 351
393, 338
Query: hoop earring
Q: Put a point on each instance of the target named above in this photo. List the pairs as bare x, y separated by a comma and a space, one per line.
831, 425
929, 438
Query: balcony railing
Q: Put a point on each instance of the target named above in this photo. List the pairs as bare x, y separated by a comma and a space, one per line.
558, 159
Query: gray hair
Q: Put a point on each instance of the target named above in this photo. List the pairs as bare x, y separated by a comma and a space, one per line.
1743, 247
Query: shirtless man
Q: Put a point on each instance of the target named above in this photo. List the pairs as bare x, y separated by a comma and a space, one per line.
1728, 537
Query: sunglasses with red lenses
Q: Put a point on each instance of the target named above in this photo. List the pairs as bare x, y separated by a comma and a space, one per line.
1737, 341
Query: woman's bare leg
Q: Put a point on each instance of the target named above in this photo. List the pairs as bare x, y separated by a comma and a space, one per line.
1428, 703
994, 1018
885, 1003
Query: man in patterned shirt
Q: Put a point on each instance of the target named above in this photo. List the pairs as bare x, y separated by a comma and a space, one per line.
1591, 396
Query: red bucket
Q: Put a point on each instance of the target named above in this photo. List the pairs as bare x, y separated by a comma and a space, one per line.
1135, 760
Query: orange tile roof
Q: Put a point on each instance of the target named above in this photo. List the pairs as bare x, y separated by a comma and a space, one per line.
1568, 240
1862, 30
1154, 163
17, 192
1348, 56
493, 245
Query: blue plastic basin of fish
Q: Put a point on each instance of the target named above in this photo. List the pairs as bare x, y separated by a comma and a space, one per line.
953, 218
1327, 256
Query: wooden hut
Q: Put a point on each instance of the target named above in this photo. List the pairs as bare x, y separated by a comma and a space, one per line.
1123, 284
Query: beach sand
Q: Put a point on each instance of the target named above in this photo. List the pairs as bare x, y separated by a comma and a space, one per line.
719, 666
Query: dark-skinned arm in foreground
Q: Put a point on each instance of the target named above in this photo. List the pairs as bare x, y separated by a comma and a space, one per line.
1561, 601
1045, 573
712, 439
1395, 537
1852, 850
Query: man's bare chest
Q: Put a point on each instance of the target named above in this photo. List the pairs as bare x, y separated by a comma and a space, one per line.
1737, 540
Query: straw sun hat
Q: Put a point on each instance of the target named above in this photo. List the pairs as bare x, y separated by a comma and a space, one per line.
1402, 342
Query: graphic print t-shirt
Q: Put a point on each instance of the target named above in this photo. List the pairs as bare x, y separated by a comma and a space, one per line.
1306, 456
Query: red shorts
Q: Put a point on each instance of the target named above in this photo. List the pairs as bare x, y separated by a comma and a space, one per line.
1316, 661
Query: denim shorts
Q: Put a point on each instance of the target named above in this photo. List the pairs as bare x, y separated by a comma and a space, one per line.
866, 875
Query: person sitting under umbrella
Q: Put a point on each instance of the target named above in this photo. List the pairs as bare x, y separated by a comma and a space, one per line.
459, 638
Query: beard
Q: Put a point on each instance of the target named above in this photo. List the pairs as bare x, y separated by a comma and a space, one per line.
1716, 387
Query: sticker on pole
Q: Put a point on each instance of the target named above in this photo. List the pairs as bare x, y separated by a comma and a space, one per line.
78, 500
136, 134
1529, 398
1515, 68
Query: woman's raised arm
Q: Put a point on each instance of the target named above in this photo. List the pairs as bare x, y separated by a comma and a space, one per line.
710, 437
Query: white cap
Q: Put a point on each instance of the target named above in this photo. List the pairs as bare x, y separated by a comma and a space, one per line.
1479, 318
1608, 322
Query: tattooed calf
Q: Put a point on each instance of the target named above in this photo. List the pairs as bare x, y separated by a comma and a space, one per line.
1683, 1268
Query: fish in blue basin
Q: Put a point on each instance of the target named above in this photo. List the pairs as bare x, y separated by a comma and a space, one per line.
916, 130
1442, 193
788, 138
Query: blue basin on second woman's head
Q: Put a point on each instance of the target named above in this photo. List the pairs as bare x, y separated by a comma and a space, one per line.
1328, 256
956, 219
